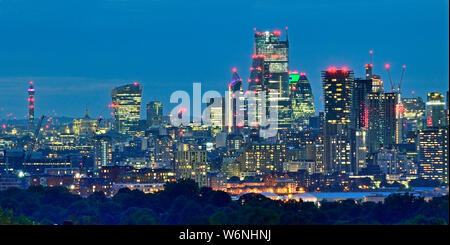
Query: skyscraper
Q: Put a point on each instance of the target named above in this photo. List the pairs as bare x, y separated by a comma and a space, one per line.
390, 120
126, 102
360, 92
154, 113
414, 113
433, 154
192, 165
435, 109
236, 107
31, 105
302, 100
359, 122
275, 79
256, 86
375, 131
337, 86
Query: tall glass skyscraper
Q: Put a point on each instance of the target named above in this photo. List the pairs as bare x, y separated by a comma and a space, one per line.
337, 88
236, 107
302, 99
126, 103
274, 54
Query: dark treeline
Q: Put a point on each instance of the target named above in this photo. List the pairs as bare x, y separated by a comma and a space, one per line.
184, 203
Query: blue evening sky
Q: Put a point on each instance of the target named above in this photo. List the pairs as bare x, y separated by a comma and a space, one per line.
76, 51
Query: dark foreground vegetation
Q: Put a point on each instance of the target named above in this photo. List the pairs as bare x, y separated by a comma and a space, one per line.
184, 203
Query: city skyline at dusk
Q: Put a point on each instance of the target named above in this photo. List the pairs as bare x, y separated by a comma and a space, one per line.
71, 74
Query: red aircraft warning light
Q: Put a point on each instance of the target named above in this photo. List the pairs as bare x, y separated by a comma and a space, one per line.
234, 69
332, 69
344, 69
387, 66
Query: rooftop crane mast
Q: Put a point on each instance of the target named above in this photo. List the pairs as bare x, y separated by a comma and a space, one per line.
388, 67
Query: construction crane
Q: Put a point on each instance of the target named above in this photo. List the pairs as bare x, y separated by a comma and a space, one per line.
35, 140
388, 68
401, 78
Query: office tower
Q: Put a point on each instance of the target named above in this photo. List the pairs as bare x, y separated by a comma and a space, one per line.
154, 113
359, 121
31, 105
360, 111
302, 100
256, 86
433, 154
236, 107
102, 151
375, 131
435, 109
414, 113
192, 165
337, 87
217, 112
390, 120
126, 102
275, 54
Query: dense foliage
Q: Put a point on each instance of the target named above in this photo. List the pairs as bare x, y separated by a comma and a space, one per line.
185, 203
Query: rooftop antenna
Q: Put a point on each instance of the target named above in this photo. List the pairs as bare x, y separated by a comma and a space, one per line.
287, 37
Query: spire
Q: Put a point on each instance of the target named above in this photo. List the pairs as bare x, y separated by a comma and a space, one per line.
86, 114
235, 77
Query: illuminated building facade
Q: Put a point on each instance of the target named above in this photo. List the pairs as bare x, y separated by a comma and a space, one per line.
264, 158
375, 132
414, 112
217, 112
337, 87
84, 126
31, 92
126, 103
275, 54
435, 109
102, 151
192, 165
360, 111
256, 86
390, 119
302, 100
433, 154
154, 113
